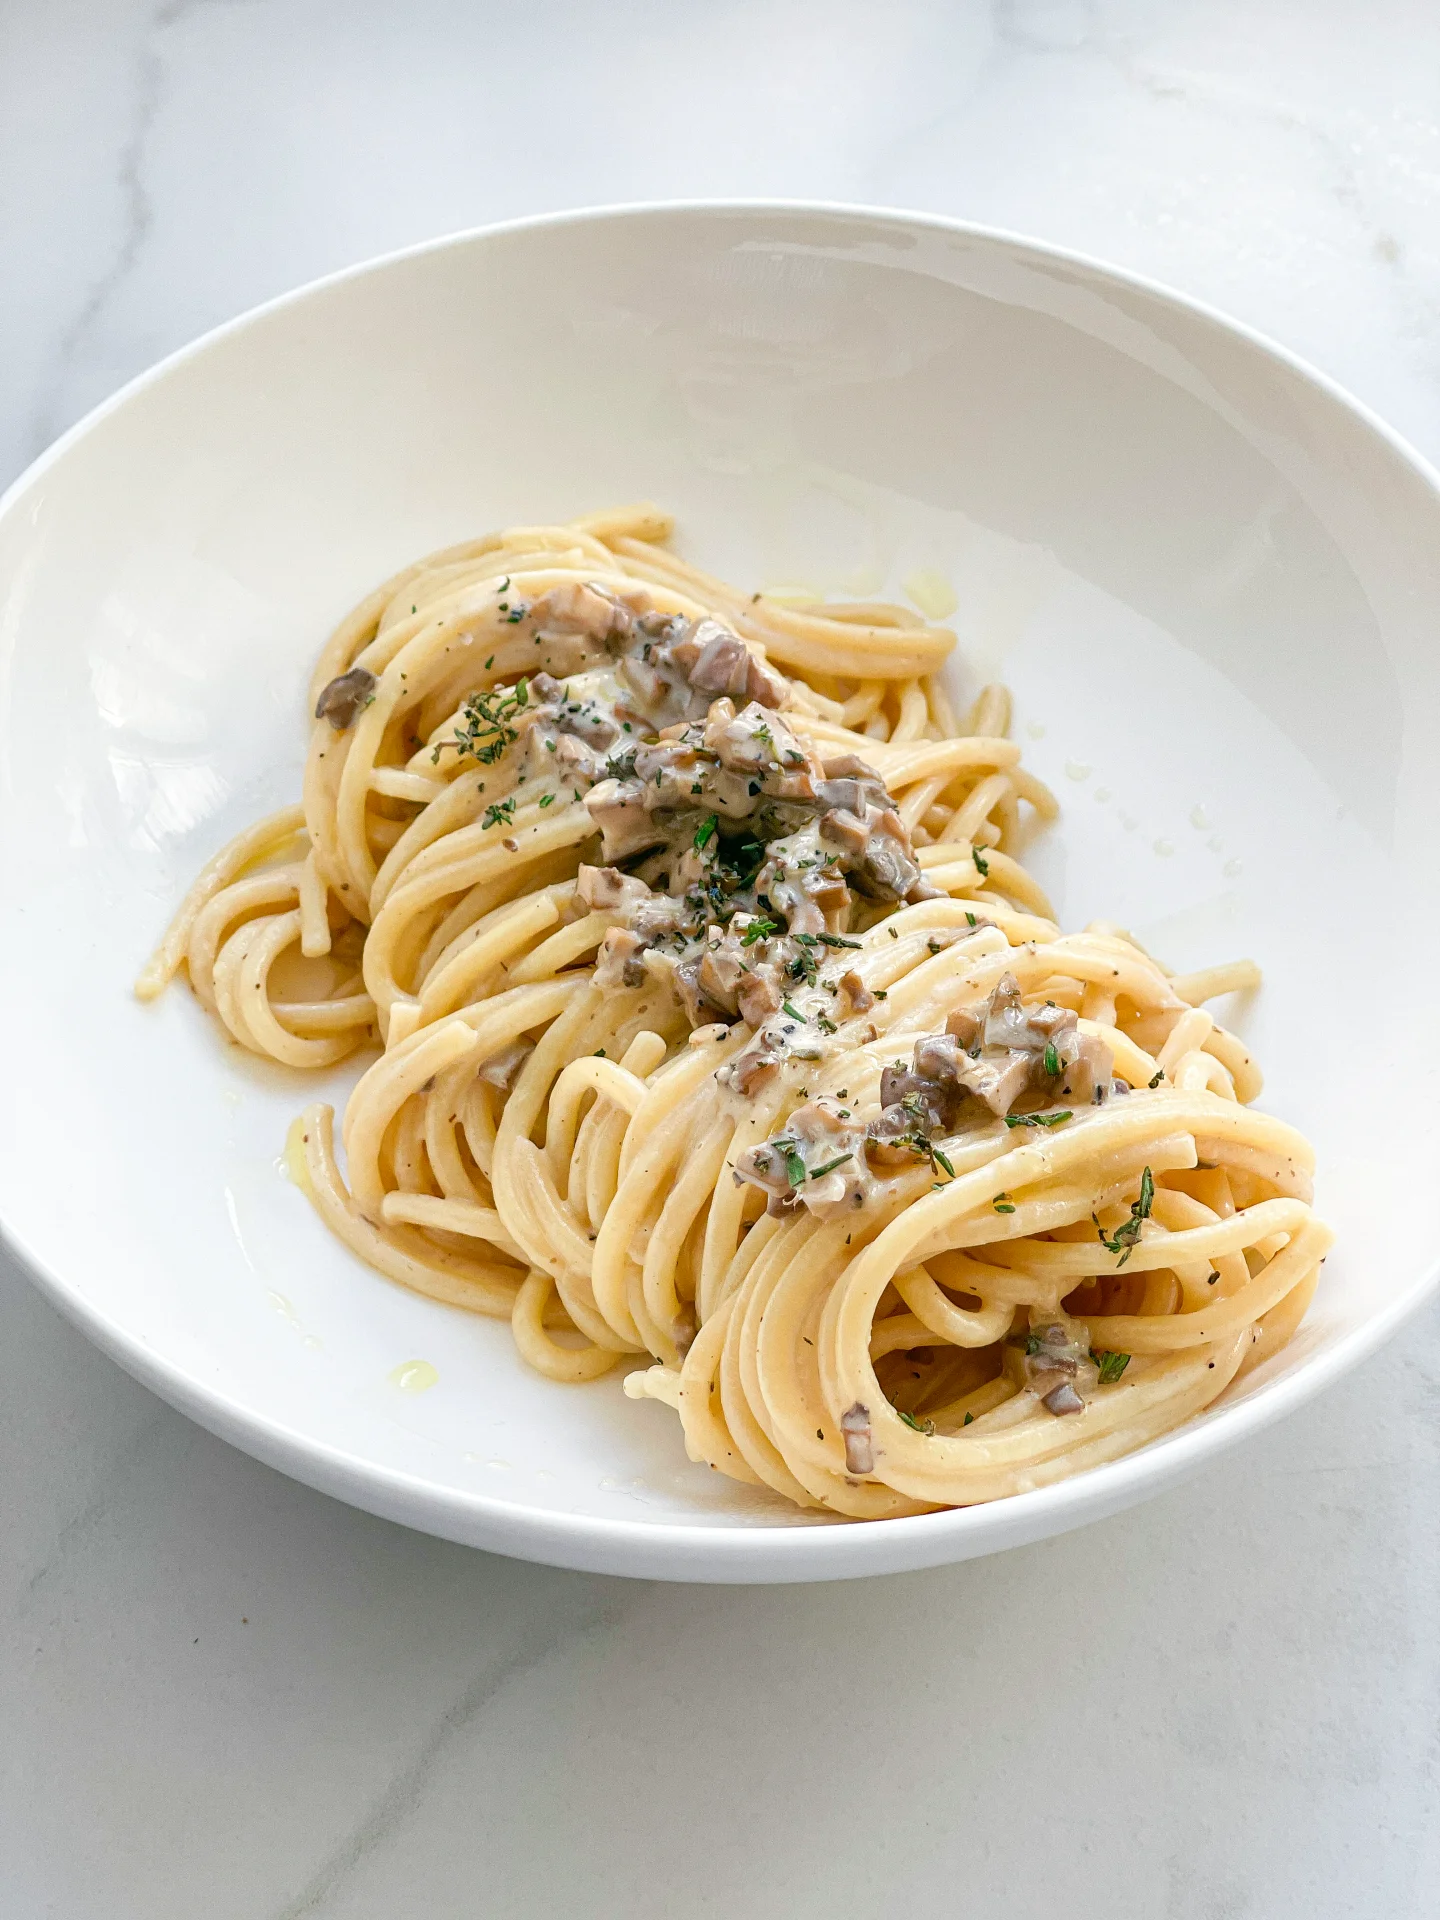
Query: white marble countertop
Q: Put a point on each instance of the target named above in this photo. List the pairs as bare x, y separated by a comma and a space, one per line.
226, 1696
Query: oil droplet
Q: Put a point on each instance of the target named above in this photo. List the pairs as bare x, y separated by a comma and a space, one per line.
1078, 770
413, 1376
1036, 730
1102, 794
1164, 847
1232, 869
1199, 819
286, 1310
292, 1161
932, 593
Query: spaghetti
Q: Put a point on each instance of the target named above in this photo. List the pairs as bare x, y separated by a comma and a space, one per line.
720, 1024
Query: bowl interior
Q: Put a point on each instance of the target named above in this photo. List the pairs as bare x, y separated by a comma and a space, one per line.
1210, 582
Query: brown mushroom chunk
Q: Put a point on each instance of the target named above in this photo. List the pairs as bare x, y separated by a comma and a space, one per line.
626, 824
606, 889
844, 830
758, 995
996, 1055
701, 1005
890, 1138
588, 609
715, 660
1063, 1399
859, 1441
816, 1160
887, 869
345, 696
620, 961
502, 1069
853, 995
754, 1064
766, 1167
1057, 1366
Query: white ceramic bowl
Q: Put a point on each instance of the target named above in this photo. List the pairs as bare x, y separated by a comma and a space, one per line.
1211, 579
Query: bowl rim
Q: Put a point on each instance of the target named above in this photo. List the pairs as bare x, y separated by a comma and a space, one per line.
697, 1550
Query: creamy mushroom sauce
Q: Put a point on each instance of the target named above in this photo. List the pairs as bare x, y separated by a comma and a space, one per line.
1028, 1067
733, 853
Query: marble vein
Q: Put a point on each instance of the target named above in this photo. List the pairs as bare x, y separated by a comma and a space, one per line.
405, 1791
135, 1459
137, 209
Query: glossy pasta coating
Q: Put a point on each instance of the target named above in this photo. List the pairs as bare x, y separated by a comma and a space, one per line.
867, 1307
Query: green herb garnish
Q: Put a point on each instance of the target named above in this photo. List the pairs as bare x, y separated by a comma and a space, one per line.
501, 811
920, 1426
705, 832
1038, 1119
484, 731
1111, 1366
1052, 1060
794, 1165
982, 865
1126, 1236
818, 1173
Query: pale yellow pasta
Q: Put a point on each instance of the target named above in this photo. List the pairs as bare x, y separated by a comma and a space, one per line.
572, 1153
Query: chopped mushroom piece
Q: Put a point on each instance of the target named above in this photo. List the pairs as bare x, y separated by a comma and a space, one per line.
718, 661
620, 961
755, 1064
1064, 1399
345, 696
726, 844
859, 1441
853, 995
681, 665
818, 1159
626, 825
588, 609
998, 1054
1057, 1366
723, 821
758, 996
502, 1069
603, 889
